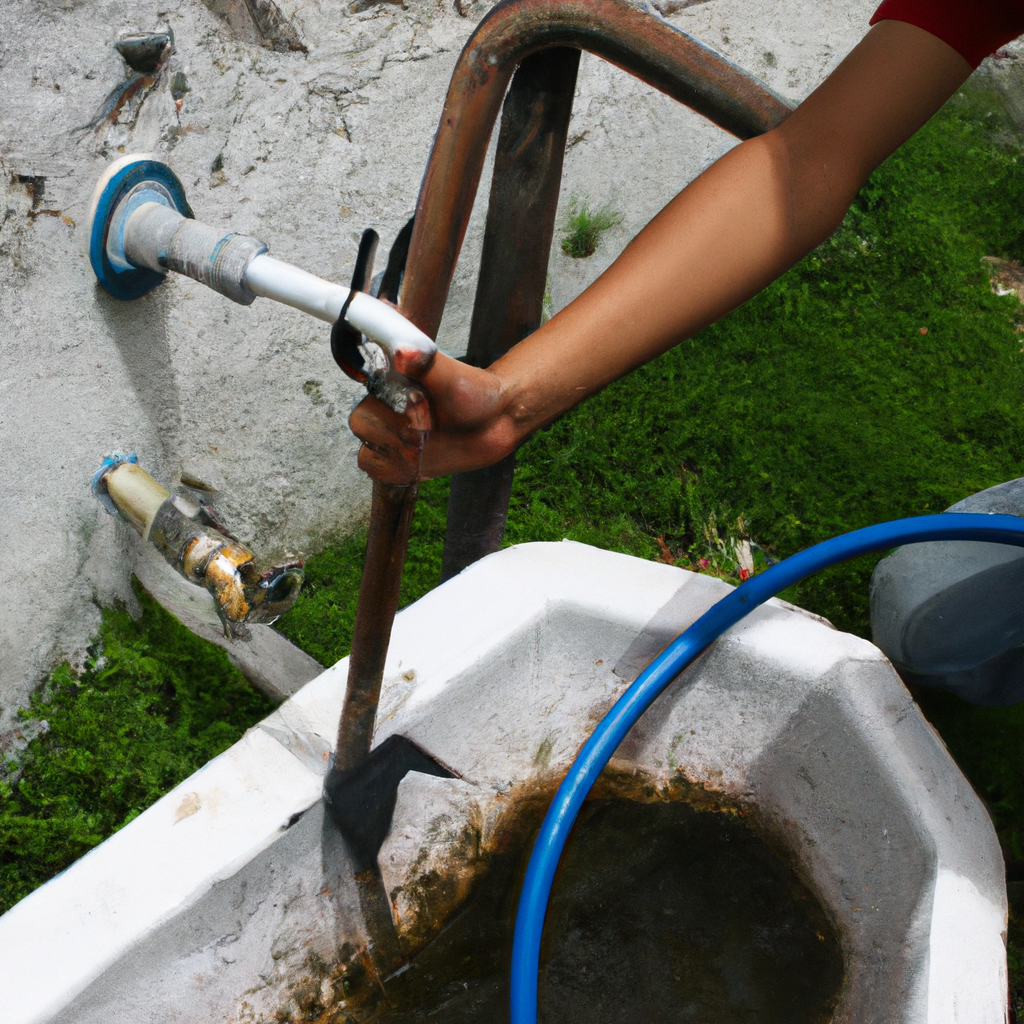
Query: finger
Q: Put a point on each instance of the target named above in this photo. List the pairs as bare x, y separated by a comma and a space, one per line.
392, 448
386, 467
378, 425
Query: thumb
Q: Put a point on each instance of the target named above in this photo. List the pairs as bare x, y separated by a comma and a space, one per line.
410, 350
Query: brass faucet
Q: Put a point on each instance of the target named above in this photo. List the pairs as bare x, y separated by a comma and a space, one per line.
193, 543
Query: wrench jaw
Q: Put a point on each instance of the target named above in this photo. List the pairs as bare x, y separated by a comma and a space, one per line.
399, 394
375, 367
383, 368
347, 344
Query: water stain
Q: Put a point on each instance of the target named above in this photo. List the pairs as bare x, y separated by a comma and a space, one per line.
189, 806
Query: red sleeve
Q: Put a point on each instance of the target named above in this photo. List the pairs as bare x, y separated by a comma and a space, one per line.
974, 28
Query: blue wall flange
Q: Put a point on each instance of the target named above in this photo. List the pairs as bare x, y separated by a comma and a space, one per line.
99, 486
120, 179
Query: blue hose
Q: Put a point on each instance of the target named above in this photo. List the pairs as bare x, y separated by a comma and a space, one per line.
611, 731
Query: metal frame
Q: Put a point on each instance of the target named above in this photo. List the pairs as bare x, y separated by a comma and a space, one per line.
539, 42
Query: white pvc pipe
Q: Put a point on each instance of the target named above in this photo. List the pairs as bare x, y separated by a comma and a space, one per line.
149, 238
385, 325
282, 282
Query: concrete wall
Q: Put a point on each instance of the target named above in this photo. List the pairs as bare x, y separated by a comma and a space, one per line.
303, 147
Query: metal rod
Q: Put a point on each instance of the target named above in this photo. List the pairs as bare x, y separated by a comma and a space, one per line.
390, 521
508, 36
477, 513
513, 272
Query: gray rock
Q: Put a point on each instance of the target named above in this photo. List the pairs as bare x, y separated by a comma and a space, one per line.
950, 614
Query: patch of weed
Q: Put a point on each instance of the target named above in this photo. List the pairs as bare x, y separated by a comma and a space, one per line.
154, 704
582, 228
321, 620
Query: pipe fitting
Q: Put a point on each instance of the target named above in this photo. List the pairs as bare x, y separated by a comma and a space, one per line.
160, 238
198, 551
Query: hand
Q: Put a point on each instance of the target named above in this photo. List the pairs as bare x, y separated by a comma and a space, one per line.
470, 426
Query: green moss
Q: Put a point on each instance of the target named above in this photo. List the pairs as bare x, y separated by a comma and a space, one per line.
154, 704
583, 226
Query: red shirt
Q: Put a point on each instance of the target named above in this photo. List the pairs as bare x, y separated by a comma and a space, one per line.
974, 28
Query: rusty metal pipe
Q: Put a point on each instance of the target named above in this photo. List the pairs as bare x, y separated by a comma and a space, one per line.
650, 49
391, 514
513, 31
390, 521
181, 531
513, 271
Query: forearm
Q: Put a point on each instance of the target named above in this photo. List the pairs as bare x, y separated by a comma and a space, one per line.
736, 228
719, 242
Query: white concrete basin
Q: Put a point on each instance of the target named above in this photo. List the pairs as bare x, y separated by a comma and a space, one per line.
231, 899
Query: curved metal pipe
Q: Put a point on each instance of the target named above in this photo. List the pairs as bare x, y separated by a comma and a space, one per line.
652, 50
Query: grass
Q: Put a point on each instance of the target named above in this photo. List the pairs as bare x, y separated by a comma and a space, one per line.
583, 226
879, 378
153, 705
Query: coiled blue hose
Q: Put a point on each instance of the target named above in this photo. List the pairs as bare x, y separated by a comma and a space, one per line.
611, 731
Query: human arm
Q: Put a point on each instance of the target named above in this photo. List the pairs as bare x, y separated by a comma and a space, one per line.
737, 227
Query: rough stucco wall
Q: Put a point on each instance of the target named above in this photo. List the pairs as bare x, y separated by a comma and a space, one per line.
310, 146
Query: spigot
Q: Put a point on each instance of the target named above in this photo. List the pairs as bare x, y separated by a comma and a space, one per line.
182, 532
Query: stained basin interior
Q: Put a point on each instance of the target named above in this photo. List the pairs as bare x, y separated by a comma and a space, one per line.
660, 913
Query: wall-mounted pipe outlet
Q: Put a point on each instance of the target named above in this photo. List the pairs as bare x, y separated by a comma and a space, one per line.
143, 227
182, 532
